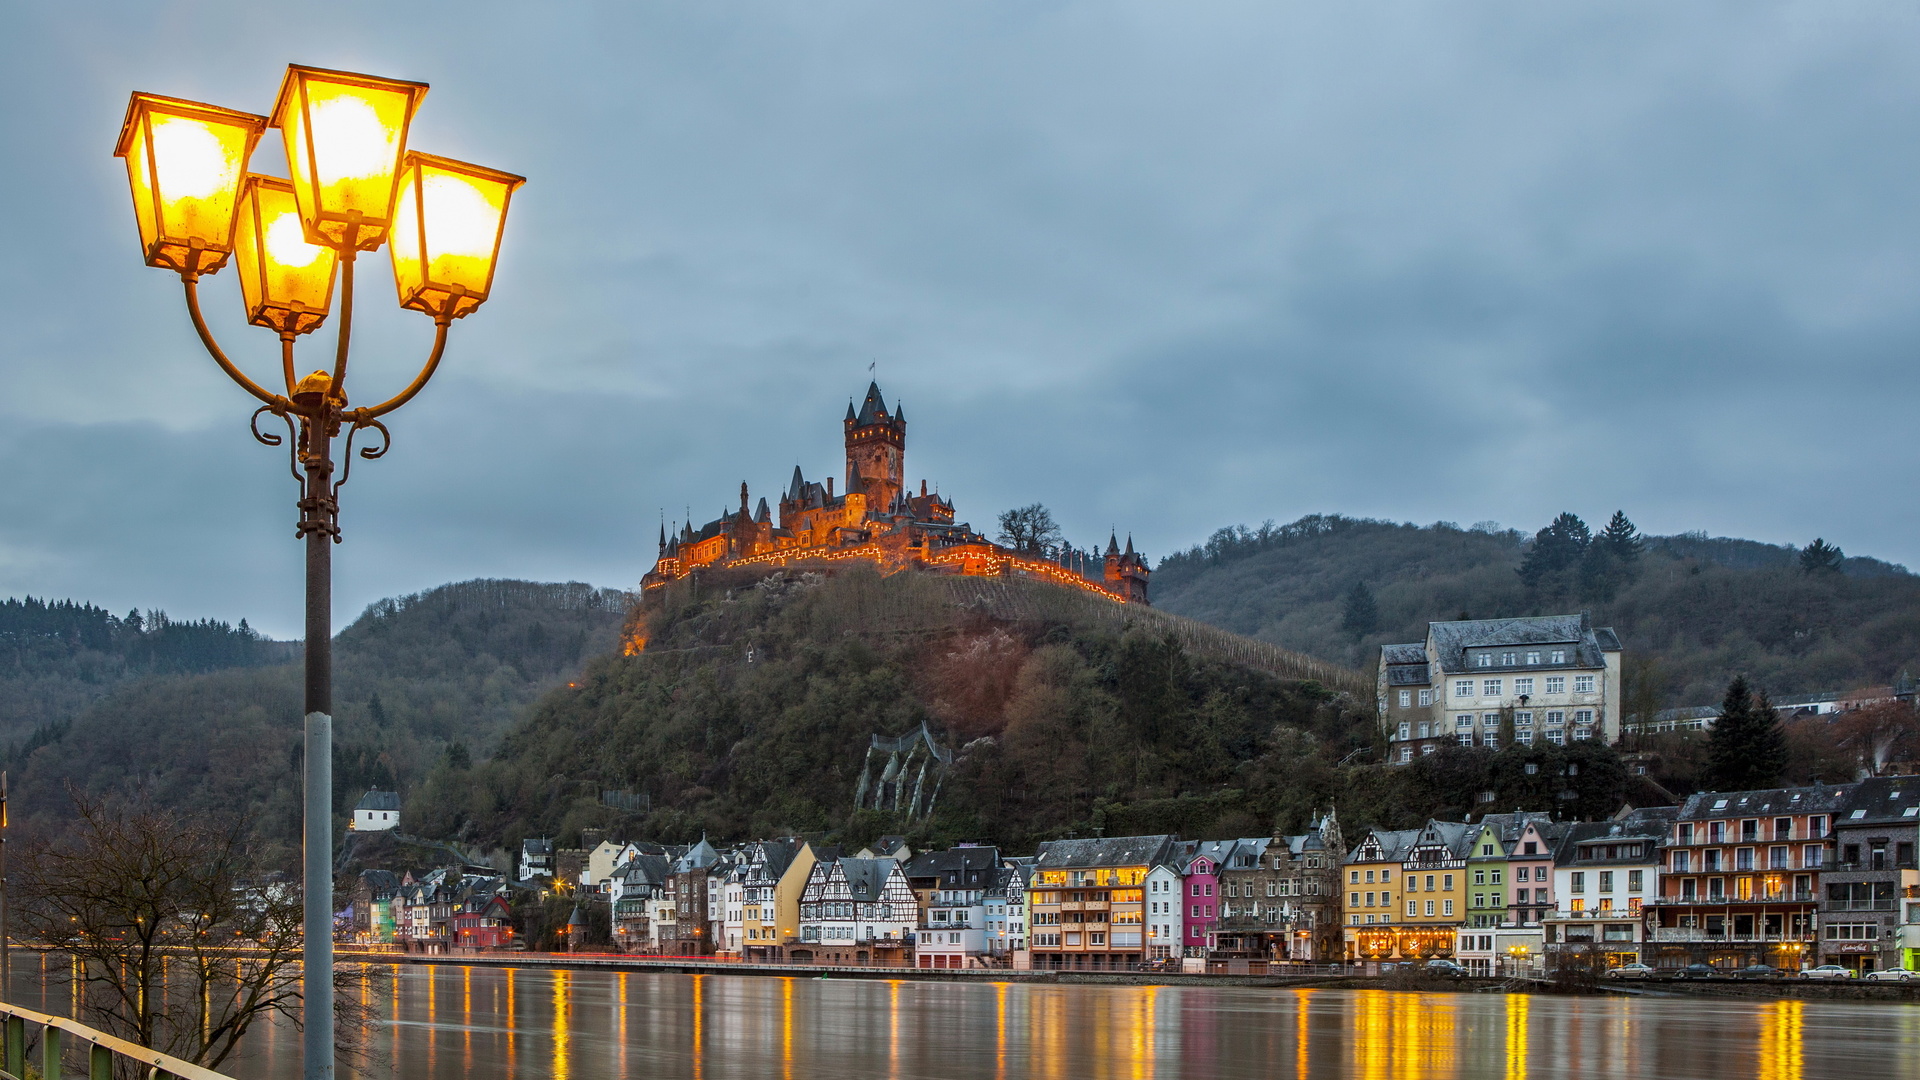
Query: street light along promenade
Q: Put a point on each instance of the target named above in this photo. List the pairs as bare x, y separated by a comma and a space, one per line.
353, 186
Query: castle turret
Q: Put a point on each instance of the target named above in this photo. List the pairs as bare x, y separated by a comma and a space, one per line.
1126, 571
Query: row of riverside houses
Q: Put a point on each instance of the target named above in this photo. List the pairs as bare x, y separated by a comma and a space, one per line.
1788, 877
1089, 904
441, 911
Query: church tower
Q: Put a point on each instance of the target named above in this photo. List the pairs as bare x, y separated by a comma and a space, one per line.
876, 450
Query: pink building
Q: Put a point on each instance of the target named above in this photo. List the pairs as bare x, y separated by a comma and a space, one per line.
1202, 905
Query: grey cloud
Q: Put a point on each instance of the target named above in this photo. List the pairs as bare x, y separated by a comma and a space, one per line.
1165, 266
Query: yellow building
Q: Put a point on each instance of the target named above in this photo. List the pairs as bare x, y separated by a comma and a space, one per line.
1406, 892
1373, 877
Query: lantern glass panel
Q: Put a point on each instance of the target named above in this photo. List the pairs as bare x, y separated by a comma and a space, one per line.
287, 283
446, 239
185, 161
345, 135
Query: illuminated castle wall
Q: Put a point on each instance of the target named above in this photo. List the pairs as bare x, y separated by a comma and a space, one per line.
877, 518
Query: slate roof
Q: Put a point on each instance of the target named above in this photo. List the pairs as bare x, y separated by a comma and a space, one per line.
1103, 851
954, 868
699, 856
1452, 639
1394, 844
1883, 800
644, 870
1820, 799
1650, 824
867, 878
1413, 653
542, 846
379, 800
1408, 675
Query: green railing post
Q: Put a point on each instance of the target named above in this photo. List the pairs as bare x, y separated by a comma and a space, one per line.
50, 1052
100, 1063
16, 1046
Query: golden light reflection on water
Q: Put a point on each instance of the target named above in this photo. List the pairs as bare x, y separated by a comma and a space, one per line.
560, 1046
786, 1028
1397, 1036
622, 998
1143, 1030
1300, 1006
466, 1018
1782, 1054
513, 1057
699, 1054
1517, 1037
893, 1029
1000, 1031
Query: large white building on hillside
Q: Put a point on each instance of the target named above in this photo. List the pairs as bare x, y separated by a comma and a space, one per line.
1551, 678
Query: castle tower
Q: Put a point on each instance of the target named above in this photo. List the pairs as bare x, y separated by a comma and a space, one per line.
1126, 571
876, 449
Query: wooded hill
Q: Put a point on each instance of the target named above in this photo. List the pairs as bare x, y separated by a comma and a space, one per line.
418, 679
1693, 611
752, 708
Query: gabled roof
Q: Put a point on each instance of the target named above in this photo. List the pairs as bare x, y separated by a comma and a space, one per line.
867, 878
379, 800
1394, 843
1103, 851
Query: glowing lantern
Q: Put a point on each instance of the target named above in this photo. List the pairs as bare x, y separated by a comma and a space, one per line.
345, 136
287, 283
446, 236
185, 161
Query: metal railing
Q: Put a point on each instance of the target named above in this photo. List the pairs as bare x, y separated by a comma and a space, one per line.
101, 1050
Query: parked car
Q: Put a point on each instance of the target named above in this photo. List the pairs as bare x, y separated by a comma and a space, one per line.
1827, 971
1696, 971
1893, 975
1759, 971
1630, 971
1446, 969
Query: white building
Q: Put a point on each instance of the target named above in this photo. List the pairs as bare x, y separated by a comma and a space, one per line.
1556, 677
377, 811
1007, 911
856, 911
1604, 876
1163, 912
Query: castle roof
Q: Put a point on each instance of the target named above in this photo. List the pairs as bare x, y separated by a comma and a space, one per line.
874, 409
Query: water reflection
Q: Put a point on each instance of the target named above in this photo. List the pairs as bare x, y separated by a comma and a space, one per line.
480, 1023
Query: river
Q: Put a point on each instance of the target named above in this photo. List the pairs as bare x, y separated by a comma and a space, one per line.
439, 1023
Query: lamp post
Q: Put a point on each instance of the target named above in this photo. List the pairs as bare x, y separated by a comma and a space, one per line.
352, 187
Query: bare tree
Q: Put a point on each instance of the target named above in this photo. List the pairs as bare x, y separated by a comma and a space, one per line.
1030, 530
181, 942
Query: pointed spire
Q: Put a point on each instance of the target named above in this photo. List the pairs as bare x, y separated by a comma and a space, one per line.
899, 412
1113, 544
1129, 538
799, 485
760, 514
850, 416
663, 534
873, 409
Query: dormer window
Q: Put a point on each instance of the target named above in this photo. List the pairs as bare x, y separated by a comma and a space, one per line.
1483, 660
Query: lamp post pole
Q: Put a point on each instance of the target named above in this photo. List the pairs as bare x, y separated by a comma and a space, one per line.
354, 187
317, 523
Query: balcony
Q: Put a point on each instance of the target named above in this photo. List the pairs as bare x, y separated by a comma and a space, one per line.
1696, 934
1783, 896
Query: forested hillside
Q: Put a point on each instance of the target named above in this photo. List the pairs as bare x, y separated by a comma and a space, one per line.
57, 657
1693, 611
752, 708
421, 678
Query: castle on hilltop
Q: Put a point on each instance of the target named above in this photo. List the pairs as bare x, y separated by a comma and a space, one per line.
879, 519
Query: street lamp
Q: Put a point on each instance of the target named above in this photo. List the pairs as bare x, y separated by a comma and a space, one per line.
352, 187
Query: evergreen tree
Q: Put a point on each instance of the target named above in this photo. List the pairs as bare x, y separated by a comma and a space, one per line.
1821, 557
1557, 550
1362, 614
1621, 539
1747, 748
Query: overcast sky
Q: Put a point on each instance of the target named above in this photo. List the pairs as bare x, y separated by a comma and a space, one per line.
1161, 266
